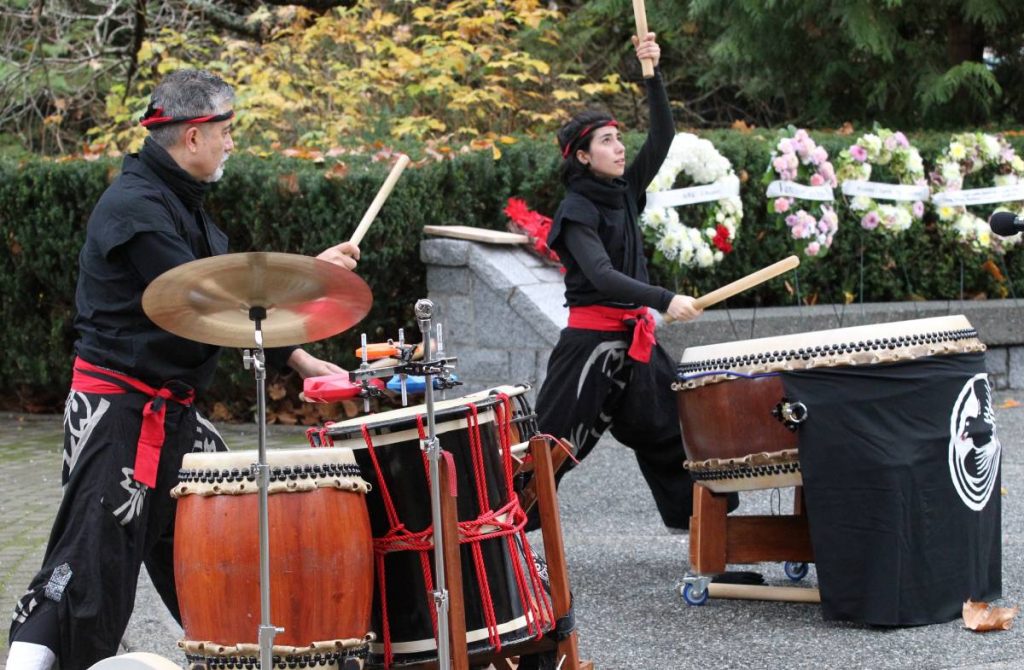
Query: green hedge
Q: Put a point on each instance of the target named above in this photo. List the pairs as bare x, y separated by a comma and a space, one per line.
288, 205
263, 204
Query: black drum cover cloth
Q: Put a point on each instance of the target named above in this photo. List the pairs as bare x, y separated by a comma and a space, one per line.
901, 479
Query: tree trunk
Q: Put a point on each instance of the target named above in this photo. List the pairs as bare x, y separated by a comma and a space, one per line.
965, 41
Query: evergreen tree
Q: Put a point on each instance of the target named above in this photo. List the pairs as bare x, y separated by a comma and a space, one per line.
907, 63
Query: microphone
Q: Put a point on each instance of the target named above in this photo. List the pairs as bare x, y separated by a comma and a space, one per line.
1006, 224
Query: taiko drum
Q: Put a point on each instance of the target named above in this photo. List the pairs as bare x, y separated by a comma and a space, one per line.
321, 555
504, 601
738, 428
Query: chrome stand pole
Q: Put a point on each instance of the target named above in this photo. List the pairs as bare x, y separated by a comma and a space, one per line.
424, 310
256, 360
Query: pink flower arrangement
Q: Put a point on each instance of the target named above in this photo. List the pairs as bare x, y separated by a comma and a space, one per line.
858, 153
816, 234
798, 158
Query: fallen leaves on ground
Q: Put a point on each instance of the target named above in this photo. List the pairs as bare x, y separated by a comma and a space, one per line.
981, 617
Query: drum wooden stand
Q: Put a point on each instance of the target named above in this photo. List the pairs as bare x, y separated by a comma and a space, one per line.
717, 539
567, 650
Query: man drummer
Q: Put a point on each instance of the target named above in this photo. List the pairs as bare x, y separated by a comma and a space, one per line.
130, 416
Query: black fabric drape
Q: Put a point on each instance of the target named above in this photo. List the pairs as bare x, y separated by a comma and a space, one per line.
901, 476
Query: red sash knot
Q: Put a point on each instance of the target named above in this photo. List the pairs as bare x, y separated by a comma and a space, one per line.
615, 319
89, 378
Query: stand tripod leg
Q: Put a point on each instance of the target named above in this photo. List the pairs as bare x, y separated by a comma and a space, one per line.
554, 548
453, 570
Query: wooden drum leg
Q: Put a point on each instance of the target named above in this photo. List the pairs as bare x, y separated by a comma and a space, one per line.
554, 550
453, 571
708, 531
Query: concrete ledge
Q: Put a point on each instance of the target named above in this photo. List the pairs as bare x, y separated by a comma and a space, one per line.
504, 308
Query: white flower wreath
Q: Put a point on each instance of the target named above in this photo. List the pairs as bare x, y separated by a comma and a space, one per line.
715, 184
967, 154
893, 151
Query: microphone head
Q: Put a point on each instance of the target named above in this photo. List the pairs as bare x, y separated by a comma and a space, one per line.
1004, 224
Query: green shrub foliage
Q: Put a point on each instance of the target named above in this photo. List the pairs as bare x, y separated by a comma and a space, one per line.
289, 205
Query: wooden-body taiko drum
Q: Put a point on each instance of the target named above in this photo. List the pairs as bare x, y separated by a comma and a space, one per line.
504, 596
737, 424
321, 557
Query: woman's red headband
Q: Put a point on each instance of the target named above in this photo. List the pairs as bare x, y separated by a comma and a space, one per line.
586, 131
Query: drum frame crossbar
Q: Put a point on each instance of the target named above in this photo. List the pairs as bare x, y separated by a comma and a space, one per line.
256, 361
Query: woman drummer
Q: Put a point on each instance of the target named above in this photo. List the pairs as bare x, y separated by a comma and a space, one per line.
607, 371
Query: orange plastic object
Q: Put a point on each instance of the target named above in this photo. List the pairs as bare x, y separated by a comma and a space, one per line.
378, 350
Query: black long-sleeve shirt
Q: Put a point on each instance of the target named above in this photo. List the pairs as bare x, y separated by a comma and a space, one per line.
150, 220
596, 229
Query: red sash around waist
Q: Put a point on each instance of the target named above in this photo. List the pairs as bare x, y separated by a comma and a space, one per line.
614, 319
89, 378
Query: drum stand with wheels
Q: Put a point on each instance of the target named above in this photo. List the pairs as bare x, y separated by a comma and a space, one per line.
717, 539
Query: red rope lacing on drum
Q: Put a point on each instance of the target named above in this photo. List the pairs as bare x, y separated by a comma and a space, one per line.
508, 521
472, 529
398, 538
503, 415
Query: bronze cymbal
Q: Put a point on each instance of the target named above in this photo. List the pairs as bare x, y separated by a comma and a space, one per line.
209, 300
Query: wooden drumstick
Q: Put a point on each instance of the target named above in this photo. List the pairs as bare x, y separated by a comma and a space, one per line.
378, 201
743, 283
791, 594
640, 14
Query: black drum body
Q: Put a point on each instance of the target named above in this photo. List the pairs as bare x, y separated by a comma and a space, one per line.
500, 587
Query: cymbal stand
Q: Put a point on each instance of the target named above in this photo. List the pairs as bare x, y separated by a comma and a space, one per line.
424, 310
257, 362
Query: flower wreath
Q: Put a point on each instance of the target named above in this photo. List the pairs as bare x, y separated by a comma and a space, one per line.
675, 243
891, 150
796, 159
967, 154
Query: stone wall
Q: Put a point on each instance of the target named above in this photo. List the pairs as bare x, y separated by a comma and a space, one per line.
502, 309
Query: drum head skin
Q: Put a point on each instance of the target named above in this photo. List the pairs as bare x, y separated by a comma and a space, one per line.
136, 661
839, 347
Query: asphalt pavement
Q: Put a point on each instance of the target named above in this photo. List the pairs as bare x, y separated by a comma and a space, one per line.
625, 571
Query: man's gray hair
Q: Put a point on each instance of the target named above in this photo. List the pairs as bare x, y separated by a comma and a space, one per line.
187, 93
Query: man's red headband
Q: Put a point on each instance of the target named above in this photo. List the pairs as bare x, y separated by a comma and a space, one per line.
586, 131
155, 117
